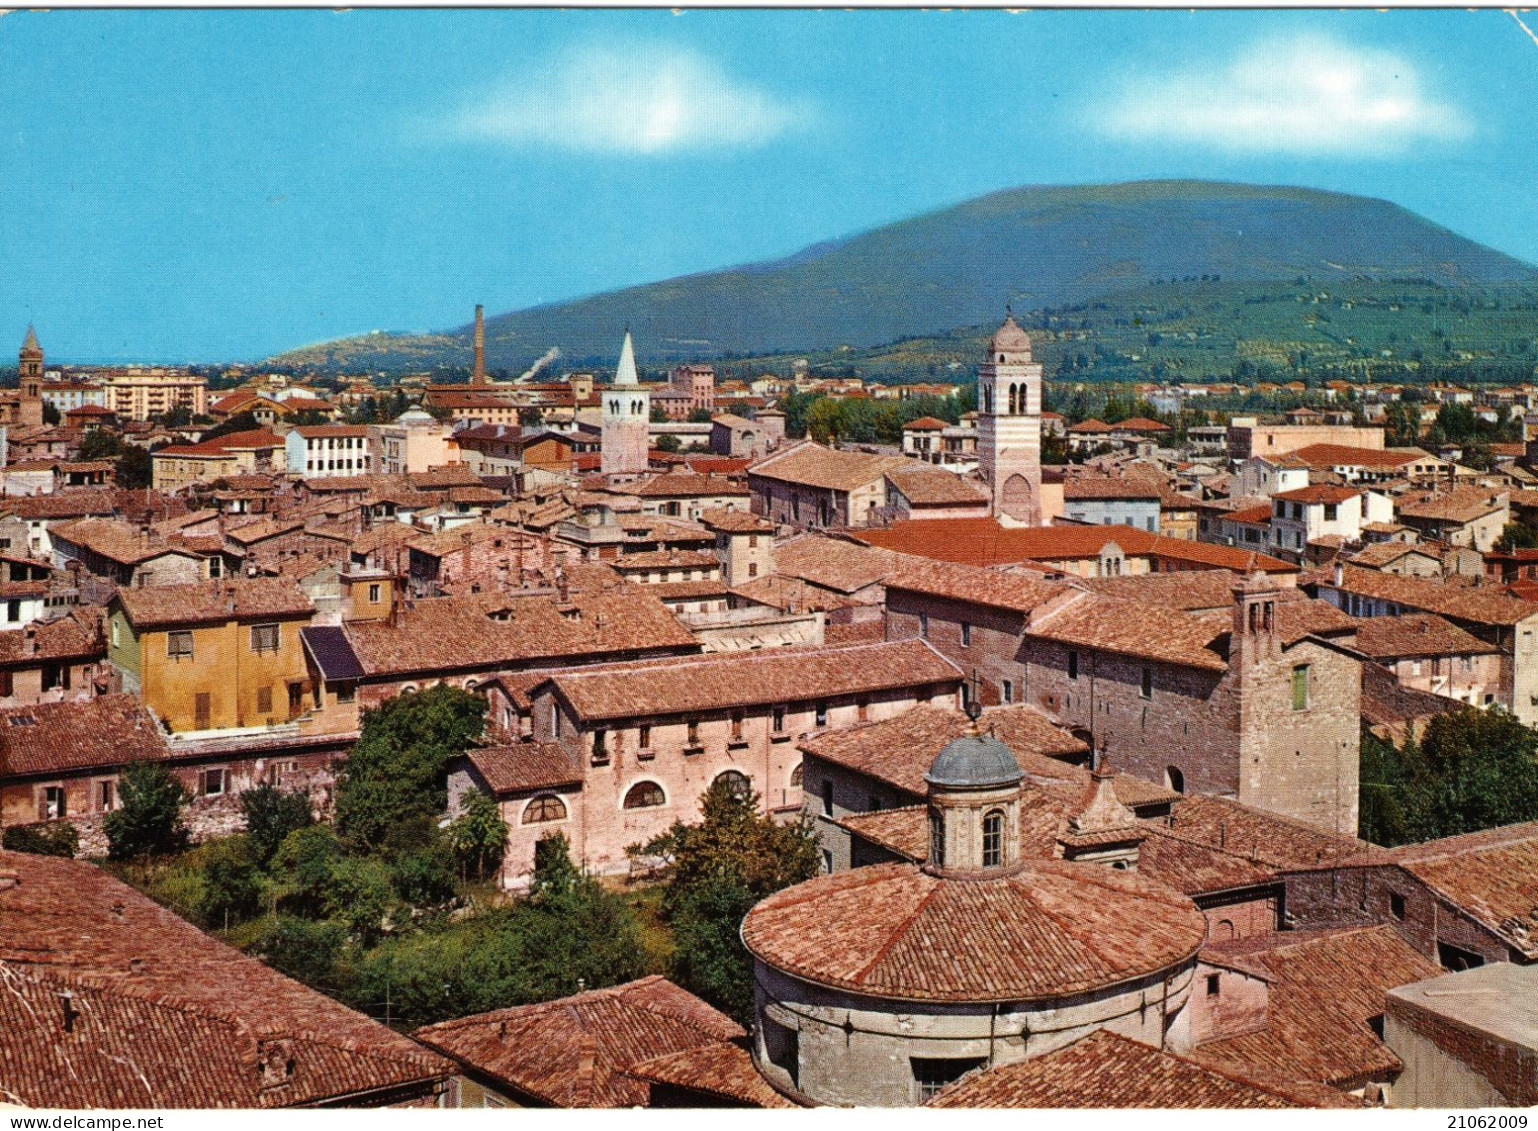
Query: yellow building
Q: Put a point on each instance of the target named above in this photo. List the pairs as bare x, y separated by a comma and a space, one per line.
215, 656
235, 453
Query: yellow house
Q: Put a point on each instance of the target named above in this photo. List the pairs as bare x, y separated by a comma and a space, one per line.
213, 656
235, 453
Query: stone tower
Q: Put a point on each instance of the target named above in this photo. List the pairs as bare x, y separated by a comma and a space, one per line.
1009, 426
626, 419
29, 368
974, 805
478, 374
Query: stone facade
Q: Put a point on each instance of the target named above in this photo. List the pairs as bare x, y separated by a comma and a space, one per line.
626, 412
1009, 426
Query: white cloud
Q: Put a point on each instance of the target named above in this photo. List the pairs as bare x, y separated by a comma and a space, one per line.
634, 100
1305, 96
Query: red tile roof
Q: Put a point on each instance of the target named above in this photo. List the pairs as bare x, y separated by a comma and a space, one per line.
721, 1070
55, 738
1051, 930
925, 485
574, 1052
164, 1015
521, 766
1480, 605
162, 606
1318, 493
1416, 634
1108, 1070
1343, 455
812, 465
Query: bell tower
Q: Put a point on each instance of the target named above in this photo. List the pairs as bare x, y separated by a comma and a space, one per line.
1009, 426
626, 419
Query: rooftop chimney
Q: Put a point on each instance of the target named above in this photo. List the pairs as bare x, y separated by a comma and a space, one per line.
480, 345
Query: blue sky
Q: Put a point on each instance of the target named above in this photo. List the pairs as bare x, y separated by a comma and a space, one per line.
209, 185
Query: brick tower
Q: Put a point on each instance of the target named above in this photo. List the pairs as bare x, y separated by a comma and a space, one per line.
626, 419
1009, 426
29, 368
478, 375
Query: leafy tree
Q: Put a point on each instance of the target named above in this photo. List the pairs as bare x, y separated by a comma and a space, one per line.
717, 870
397, 771
359, 894
270, 816
232, 888
555, 876
149, 820
57, 838
1517, 536
101, 443
302, 869
1471, 770
699, 416
478, 836
425, 877
668, 443
51, 415
134, 471
309, 951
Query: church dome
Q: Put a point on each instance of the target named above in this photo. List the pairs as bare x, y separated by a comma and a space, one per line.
1009, 338
414, 417
974, 761
1047, 931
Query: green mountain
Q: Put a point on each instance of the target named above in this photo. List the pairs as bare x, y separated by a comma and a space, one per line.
1034, 247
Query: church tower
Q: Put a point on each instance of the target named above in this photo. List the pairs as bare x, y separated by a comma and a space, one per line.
626, 419
1009, 426
29, 369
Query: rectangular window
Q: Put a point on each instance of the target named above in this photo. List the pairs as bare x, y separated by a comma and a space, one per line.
924, 625
1330, 512
1212, 985
1300, 688
862, 709
827, 797
778, 717
1073, 665
346, 692
736, 726
694, 732
54, 805
1396, 905
6, 687
264, 638
202, 710
373, 593
822, 714
264, 700
1145, 688
644, 736
966, 634
211, 782
179, 645
930, 1074
1007, 691
106, 791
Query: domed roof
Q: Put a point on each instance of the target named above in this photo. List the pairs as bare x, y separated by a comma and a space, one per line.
1009, 338
974, 761
415, 416
1050, 930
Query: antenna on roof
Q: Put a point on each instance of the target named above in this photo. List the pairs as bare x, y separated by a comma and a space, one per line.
974, 705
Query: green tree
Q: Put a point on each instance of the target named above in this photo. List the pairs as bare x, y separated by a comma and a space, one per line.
57, 838
101, 443
699, 416
232, 889
134, 470
668, 443
271, 815
478, 836
309, 951
717, 870
825, 420
398, 769
1517, 536
359, 894
302, 869
148, 822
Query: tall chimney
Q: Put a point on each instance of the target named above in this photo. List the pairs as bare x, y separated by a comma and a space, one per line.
480, 345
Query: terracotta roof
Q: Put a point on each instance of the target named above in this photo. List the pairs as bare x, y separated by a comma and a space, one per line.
1107, 487
736, 522
690, 590
811, 465
117, 541
925, 485
1108, 1070
858, 632
219, 446
717, 681
1491, 876
1140, 424
1380, 554
52, 738
925, 424
1015, 592
1255, 516
834, 563
321, 431
1460, 506
463, 633
1387, 703
1130, 628
1325, 987
723, 1070
1318, 493
574, 1052
1089, 427
900, 750
166, 1016
160, 606
60, 504
982, 541
665, 559
1416, 634
717, 465
675, 485
262, 528
1051, 930
77, 636
521, 766
1343, 455
1255, 835
1480, 605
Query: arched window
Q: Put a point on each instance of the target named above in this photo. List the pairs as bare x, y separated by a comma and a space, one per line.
545, 807
937, 840
645, 795
993, 838
1174, 779
736, 781
795, 775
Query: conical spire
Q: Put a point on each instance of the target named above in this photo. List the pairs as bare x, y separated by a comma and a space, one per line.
30, 345
624, 372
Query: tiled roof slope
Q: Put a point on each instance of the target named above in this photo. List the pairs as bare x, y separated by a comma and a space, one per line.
76, 636
1325, 988
1106, 1070
835, 563
1050, 930
1130, 628
114, 540
51, 738
900, 750
519, 766
925, 485
193, 1020
1416, 634
811, 465
159, 606
1012, 591
574, 1052
722, 1070
1482, 604
783, 675
483, 630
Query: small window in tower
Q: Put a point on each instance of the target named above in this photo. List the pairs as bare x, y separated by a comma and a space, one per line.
993, 839
1073, 665
1145, 689
966, 634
